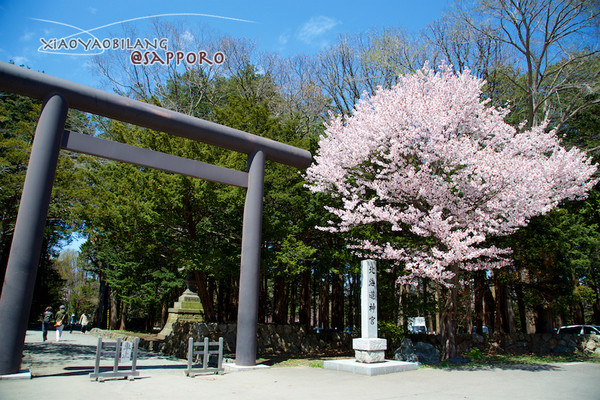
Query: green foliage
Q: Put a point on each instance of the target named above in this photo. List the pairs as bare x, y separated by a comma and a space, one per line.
474, 354
82, 287
390, 331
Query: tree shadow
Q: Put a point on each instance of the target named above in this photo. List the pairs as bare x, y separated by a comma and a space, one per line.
535, 367
51, 359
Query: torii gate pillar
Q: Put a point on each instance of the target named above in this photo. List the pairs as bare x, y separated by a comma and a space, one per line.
24, 256
247, 320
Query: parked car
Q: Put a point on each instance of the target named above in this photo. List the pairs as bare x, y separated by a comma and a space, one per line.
418, 329
579, 330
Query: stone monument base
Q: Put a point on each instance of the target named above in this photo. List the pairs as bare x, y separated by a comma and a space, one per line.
372, 369
369, 350
187, 309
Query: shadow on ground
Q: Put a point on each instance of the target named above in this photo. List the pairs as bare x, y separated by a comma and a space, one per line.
508, 367
66, 359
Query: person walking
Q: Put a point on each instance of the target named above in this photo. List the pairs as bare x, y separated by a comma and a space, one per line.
71, 322
47, 318
60, 322
83, 321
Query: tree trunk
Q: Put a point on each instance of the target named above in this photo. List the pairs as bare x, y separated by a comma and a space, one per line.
544, 320
577, 313
490, 309
149, 320
324, 302
103, 304
354, 301
205, 298
124, 316
479, 283
438, 314
527, 315
314, 298
398, 317
356, 294
305, 299
337, 303
596, 305
293, 295
114, 312
511, 323
449, 321
230, 298
401, 315
263, 300
521, 307
212, 293
351, 305
500, 321
164, 314
280, 300
596, 312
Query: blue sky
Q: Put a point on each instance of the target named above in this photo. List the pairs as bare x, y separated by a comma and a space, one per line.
300, 27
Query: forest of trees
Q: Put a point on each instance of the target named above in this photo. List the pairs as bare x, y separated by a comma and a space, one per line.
150, 234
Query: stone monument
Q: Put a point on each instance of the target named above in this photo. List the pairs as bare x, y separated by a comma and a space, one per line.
369, 350
187, 309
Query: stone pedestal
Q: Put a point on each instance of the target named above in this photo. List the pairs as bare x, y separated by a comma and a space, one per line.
188, 308
380, 368
369, 350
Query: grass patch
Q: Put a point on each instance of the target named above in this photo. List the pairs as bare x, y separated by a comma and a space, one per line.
299, 362
312, 360
141, 335
479, 360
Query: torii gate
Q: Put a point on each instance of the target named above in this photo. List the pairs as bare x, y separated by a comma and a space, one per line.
59, 94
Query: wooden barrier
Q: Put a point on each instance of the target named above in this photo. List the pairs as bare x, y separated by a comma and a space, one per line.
120, 352
204, 349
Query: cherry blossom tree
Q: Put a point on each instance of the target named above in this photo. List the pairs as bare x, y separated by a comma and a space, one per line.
430, 158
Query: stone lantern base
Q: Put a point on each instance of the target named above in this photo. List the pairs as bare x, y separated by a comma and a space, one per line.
188, 308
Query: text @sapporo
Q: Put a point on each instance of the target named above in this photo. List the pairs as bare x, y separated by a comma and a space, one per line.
202, 57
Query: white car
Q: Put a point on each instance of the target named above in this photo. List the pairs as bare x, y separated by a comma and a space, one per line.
579, 330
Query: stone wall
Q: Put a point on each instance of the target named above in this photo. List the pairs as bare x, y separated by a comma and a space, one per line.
274, 339
520, 343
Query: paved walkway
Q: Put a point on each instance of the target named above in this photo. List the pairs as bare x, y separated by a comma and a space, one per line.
61, 371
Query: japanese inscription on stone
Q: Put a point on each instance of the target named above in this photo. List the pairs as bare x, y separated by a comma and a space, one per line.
369, 299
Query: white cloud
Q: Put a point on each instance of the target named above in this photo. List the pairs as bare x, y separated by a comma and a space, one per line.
315, 28
93, 10
284, 38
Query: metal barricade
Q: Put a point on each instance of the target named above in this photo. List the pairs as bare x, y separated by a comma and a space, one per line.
204, 349
120, 352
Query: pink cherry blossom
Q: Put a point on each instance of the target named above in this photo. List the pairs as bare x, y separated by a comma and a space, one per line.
432, 158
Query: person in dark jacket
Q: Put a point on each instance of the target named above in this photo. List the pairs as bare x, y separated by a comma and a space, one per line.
47, 319
71, 322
